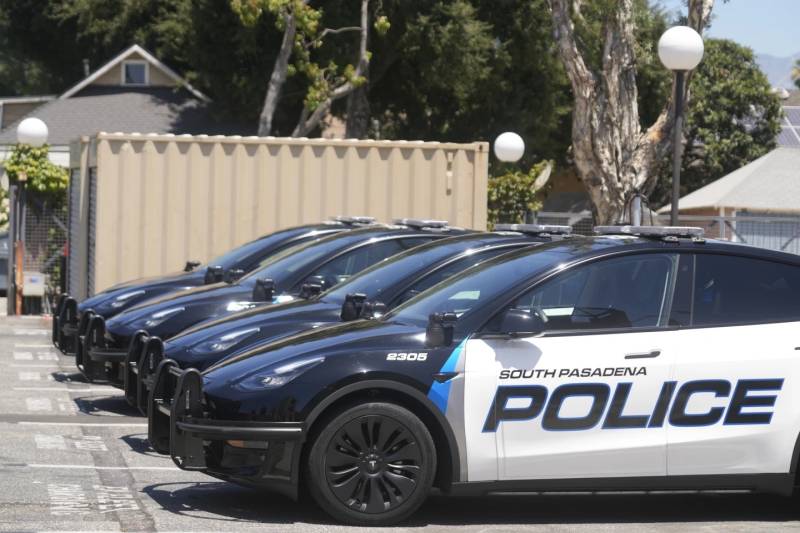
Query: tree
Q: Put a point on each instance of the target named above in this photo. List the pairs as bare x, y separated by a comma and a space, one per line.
45, 181
796, 73
734, 117
614, 154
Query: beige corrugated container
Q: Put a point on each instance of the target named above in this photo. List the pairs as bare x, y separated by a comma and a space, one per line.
142, 205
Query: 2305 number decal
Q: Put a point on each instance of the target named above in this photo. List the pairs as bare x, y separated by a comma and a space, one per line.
406, 356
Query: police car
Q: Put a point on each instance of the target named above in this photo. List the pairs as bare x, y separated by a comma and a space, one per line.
377, 289
69, 313
641, 359
300, 271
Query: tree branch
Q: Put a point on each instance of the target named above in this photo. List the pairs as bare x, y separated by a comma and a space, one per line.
579, 74
278, 77
311, 119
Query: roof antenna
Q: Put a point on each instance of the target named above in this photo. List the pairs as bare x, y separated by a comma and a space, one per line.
86, 69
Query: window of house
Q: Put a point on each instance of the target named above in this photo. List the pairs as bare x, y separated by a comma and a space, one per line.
135, 73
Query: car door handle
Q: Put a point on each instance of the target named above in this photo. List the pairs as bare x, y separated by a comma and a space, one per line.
646, 355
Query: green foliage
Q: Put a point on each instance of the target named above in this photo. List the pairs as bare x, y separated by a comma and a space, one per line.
45, 180
796, 73
733, 118
513, 193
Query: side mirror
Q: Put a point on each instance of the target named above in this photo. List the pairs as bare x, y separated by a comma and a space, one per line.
521, 323
439, 332
352, 306
214, 274
191, 265
373, 310
264, 291
310, 290
232, 275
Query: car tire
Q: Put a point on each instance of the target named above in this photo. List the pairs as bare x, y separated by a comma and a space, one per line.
372, 464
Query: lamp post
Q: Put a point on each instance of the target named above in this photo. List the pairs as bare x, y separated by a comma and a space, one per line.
680, 49
33, 132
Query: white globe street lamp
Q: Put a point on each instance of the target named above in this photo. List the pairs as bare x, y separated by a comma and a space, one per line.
509, 147
32, 131
680, 49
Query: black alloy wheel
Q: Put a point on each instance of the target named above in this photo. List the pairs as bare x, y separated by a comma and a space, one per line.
372, 465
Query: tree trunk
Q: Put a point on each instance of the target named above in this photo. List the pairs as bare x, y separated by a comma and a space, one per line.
311, 119
614, 157
278, 77
357, 114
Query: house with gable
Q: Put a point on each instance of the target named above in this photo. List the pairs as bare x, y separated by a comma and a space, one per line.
133, 92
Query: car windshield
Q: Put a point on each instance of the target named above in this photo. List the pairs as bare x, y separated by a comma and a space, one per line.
465, 292
282, 265
232, 258
379, 277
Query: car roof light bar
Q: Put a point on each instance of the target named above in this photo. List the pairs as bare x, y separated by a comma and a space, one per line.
535, 229
420, 223
354, 221
651, 231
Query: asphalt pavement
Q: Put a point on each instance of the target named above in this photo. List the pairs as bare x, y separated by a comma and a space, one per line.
74, 457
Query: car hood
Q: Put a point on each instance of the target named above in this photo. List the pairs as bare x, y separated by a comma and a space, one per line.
139, 292
329, 341
258, 326
193, 306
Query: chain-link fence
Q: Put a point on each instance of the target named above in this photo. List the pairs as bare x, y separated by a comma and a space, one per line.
45, 236
764, 230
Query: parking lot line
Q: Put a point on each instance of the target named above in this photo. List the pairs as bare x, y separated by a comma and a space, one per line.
82, 424
93, 467
54, 389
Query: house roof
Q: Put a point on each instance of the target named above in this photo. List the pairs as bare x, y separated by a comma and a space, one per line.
128, 109
135, 51
790, 127
771, 183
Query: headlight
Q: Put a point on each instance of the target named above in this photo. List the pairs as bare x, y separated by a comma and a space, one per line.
223, 342
122, 299
162, 316
280, 375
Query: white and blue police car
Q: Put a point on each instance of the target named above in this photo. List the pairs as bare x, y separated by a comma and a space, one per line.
639, 359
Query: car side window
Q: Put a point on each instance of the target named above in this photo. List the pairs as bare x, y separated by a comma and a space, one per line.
354, 261
624, 292
446, 271
731, 290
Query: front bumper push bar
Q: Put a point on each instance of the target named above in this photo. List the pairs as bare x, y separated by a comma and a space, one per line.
141, 362
92, 352
65, 324
179, 422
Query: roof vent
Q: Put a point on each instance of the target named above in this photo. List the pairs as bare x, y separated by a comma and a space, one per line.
418, 223
651, 231
354, 221
535, 229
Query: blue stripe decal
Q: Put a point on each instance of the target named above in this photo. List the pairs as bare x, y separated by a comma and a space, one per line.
440, 392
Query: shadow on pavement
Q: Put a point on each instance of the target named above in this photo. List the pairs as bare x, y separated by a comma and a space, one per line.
100, 405
617, 508
69, 377
220, 501
232, 503
139, 444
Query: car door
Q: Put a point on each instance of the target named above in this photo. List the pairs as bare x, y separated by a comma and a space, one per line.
582, 399
737, 369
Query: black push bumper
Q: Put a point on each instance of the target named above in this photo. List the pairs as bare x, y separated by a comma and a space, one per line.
265, 454
139, 368
65, 324
93, 357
